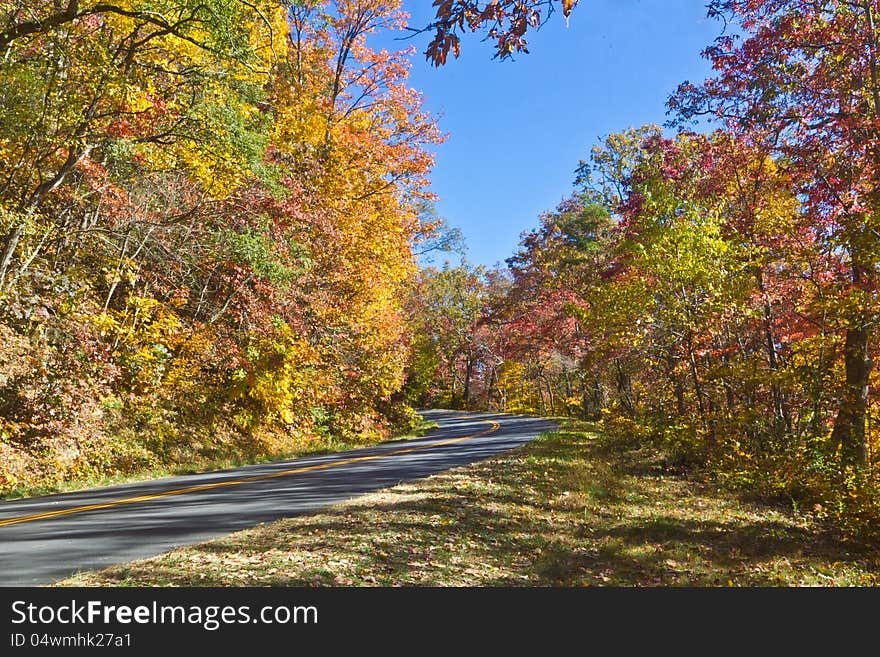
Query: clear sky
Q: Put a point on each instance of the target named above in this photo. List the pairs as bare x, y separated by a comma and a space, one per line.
517, 129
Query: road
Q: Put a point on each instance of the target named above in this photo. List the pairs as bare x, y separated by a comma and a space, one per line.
44, 539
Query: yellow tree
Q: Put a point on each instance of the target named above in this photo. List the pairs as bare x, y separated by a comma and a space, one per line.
134, 87
354, 133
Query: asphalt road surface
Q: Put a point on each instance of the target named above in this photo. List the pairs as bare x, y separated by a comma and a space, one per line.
44, 539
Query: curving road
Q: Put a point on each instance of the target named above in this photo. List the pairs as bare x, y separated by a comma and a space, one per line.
44, 539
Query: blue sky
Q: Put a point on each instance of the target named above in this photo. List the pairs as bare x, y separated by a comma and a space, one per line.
517, 129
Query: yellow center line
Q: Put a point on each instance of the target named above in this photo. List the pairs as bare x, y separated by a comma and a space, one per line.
237, 482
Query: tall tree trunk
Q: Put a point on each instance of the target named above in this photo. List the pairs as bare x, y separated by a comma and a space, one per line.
490, 388
11, 244
624, 389
678, 384
452, 401
466, 392
849, 425
32, 204
702, 398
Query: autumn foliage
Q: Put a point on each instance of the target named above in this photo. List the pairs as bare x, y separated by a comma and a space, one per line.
206, 219
505, 22
209, 216
713, 290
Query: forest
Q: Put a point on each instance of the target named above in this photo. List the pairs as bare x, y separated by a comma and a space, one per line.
212, 213
208, 210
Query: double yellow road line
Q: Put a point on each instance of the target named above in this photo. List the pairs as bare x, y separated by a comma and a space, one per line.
238, 482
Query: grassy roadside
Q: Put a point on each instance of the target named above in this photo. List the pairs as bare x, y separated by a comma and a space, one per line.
327, 446
566, 510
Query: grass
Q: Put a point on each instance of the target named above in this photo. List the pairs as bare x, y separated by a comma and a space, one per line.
566, 510
329, 446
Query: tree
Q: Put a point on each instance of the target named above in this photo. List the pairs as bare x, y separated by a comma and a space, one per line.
448, 307
99, 83
550, 353
436, 235
803, 82
208, 213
